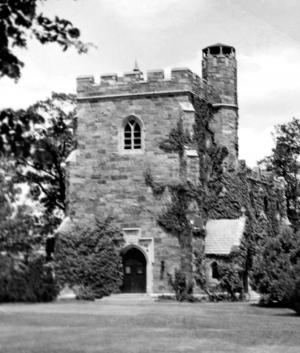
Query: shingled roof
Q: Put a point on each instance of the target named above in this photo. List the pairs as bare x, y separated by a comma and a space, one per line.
223, 234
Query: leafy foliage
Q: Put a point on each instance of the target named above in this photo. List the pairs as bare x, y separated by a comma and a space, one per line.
173, 219
231, 279
275, 272
185, 196
15, 131
18, 235
89, 258
220, 193
18, 227
177, 140
34, 145
284, 163
295, 297
49, 151
84, 293
23, 275
263, 200
157, 188
32, 283
39, 140
183, 289
20, 20
8, 191
199, 266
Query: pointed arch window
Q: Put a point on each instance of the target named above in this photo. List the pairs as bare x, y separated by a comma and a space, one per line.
132, 134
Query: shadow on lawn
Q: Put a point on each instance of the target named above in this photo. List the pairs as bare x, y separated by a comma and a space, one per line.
275, 306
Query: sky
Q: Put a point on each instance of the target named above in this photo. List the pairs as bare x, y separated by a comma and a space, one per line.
162, 34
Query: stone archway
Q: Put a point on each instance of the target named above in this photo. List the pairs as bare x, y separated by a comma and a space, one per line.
134, 270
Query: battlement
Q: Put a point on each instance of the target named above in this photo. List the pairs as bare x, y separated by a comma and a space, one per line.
260, 175
218, 87
154, 82
138, 76
218, 50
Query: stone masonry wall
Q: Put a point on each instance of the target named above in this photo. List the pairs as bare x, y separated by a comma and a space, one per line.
219, 69
107, 181
223, 124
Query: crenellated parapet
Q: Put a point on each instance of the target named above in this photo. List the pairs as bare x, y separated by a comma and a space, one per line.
154, 82
218, 86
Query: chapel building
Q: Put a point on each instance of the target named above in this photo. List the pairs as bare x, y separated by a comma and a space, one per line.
121, 122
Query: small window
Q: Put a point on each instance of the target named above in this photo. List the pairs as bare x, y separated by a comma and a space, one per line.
215, 270
162, 269
132, 135
266, 204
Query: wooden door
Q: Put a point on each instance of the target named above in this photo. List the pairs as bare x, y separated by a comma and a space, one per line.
134, 268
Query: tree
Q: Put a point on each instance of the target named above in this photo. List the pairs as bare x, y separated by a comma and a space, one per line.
17, 226
49, 150
275, 272
20, 20
39, 140
7, 190
24, 275
284, 162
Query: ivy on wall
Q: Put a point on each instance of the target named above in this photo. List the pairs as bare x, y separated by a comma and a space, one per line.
264, 204
184, 194
220, 193
173, 219
88, 259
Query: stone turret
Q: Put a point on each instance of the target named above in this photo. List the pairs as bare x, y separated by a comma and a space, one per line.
219, 69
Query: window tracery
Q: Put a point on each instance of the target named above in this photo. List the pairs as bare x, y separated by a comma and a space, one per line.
132, 135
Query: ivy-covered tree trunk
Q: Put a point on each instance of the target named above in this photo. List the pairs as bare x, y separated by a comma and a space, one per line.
187, 256
186, 235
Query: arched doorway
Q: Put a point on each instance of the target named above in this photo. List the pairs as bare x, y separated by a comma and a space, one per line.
134, 269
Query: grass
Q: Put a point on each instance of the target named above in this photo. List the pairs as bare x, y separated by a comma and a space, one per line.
142, 327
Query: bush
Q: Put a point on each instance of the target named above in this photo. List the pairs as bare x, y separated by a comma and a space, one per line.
40, 275
32, 282
275, 273
182, 289
90, 258
215, 295
295, 298
84, 293
230, 281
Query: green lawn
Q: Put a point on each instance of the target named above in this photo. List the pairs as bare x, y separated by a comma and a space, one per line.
107, 326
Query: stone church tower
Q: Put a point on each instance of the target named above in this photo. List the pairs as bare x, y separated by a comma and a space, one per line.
121, 122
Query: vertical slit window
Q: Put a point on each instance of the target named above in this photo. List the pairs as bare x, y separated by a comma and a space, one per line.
215, 270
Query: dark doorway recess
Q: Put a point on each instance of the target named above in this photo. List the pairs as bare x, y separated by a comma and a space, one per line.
134, 268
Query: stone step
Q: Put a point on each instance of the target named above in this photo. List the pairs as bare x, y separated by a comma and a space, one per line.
130, 297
